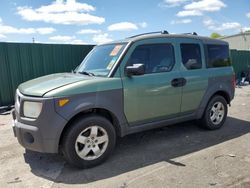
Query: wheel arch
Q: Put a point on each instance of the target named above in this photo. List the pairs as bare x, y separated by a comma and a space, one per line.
97, 111
222, 93
225, 94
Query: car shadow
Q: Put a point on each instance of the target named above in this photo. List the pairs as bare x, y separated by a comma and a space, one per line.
140, 150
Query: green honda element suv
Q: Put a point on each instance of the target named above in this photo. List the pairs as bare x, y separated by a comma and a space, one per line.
139, 83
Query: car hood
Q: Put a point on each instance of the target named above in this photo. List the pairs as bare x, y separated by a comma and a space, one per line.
40, 86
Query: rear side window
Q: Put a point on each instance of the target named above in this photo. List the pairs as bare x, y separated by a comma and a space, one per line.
191, 56
218, 56
155, 57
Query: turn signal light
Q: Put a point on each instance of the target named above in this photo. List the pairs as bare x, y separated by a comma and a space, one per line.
63, 102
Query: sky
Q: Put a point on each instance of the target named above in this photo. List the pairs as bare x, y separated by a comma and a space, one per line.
100, 21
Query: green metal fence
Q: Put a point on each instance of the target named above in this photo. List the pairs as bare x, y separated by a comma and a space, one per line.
20, 62
241, 61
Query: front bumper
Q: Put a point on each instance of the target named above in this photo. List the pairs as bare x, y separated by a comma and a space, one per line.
28, 136
42, 134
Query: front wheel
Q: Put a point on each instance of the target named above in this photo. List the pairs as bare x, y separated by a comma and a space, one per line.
215, 113
89, 141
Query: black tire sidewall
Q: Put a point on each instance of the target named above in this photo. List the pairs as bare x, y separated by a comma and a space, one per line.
206, 121
68, 144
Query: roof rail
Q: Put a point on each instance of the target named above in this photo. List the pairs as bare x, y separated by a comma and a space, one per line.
160, 32
194, 33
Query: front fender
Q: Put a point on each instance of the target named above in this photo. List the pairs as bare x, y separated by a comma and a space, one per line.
110, 100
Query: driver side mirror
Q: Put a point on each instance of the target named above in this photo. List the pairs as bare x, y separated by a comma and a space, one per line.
135, 69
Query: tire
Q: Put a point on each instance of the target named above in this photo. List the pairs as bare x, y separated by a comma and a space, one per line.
213, 118
89, 141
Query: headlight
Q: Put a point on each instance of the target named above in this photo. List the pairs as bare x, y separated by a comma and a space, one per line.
32, 109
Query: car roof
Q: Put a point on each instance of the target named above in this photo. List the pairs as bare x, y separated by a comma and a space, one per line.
153, 35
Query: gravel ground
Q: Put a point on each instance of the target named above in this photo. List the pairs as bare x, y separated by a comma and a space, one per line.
181, 155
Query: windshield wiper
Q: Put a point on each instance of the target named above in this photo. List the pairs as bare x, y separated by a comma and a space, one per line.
87, 73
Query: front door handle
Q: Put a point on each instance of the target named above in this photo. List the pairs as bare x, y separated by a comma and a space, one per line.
178, 82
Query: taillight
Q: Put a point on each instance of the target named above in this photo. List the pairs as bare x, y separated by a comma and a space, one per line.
234, 81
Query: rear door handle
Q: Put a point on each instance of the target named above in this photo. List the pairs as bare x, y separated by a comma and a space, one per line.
178, 82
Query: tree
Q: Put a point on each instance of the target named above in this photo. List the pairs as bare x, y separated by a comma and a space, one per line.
215, 35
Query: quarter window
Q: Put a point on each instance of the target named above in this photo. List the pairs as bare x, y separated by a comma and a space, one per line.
218, 56
191, 56
155, 57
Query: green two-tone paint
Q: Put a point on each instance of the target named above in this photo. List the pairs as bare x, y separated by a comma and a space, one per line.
139, 83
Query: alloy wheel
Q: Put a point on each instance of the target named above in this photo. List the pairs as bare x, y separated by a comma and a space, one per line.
91, 143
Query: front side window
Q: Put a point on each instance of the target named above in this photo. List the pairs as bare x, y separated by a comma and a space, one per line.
191, 56
218, 56
101, 59
155, 57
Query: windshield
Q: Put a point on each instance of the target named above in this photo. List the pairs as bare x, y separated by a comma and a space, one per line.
101, 59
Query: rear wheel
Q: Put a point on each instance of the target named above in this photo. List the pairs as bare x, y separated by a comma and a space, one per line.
215, 113
89, 141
